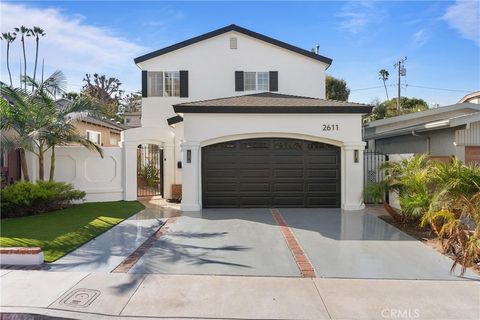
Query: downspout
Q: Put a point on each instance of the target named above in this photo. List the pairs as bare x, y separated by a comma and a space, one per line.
427, 138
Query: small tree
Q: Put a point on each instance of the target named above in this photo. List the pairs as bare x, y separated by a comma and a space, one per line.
336, 89
104, 92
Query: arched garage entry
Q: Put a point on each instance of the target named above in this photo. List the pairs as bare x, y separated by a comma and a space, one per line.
271, 172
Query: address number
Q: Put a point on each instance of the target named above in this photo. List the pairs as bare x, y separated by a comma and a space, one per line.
330, 127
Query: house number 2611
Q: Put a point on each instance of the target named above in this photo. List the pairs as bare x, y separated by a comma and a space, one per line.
330, 127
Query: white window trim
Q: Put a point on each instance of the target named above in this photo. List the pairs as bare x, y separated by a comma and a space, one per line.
256, 81
97, 133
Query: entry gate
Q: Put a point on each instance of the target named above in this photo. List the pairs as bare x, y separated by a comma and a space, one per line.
149, 170
372, 161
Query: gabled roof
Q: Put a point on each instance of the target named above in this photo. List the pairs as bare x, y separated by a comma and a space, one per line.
63, 102
268, 102
238, 29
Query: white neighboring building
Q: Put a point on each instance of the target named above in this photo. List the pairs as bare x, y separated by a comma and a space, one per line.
242, 122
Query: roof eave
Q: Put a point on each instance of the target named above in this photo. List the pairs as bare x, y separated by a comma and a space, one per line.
233, 27
267, 109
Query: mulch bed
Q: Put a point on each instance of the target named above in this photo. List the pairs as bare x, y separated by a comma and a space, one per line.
425, 235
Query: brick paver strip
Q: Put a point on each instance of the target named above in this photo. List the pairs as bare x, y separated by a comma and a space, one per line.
132, 259
306, 268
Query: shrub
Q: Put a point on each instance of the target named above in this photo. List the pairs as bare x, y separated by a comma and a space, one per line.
150, 173
27, 198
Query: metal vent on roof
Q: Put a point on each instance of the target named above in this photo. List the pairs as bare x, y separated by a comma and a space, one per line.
233, 43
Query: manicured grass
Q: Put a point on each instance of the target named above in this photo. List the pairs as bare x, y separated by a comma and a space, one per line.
62, 231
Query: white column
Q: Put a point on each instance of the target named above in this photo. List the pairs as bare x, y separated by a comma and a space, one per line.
191, 185
168, 170
129, 172
352, 199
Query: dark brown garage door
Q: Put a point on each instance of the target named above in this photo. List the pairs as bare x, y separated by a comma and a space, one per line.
271, 172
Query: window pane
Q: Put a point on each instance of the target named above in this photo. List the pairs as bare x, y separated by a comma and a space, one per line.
172, 84
249, 81
155, 84
263, 81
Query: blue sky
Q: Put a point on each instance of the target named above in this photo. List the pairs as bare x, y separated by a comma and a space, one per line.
440, 39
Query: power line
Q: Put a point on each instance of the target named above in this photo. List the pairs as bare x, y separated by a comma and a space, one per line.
440, 89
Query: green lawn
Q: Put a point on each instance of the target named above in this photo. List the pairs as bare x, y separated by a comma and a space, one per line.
59, 232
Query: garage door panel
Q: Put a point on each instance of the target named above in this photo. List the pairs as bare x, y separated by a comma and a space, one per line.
322, 187
289, 187
254, 187
252, 201
288, 173
271, 172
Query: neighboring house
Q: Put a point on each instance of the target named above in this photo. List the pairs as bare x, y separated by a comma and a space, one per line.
132, 119
242, 121
101, 131
442, 132
473, 97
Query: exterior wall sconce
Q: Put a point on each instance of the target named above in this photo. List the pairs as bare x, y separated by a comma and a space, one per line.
189, 156
355, 156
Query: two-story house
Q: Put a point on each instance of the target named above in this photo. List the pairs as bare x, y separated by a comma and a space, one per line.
243, 122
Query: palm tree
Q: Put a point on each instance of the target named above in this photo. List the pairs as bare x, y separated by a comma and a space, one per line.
383, 75
63, 132
25, 32
37, 32
59, 128
9, 37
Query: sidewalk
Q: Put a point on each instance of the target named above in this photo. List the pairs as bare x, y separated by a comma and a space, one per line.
81, 295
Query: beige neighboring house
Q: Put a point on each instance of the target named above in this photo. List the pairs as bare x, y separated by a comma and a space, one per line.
101, 131
132, 119
473, 97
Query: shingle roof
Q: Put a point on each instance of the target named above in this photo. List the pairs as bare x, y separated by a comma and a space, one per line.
238, 29
62, 103
268, 102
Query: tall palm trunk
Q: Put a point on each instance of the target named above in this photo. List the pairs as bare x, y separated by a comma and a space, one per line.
41, 167
24, 60
386, 91
23, 163
36, 59
8, 63
52, 163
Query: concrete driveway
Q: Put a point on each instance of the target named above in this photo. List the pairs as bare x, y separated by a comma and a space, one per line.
250, 242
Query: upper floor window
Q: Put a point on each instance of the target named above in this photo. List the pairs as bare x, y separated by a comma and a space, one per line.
164, 84
256, 81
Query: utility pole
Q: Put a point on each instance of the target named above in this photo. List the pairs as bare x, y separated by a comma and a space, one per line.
399, 65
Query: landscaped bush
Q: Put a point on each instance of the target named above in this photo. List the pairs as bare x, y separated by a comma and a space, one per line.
443, 196
27, 198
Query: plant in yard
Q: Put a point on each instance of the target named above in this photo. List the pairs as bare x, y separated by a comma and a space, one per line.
150, 173
36, 122
9, 38
454, 212
26, 198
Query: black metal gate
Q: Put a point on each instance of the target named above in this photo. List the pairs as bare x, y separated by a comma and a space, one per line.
149, 170
372, 161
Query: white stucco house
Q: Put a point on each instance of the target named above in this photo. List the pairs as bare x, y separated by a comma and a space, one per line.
242, 121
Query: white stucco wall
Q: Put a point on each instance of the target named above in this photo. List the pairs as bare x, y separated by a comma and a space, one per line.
101, 179
212, 64
205, 129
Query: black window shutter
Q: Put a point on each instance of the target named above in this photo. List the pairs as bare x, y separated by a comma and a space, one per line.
273, 80
239, 81
183, 84
144, 83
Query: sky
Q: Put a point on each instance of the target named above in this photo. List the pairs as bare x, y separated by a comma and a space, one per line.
441, 40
